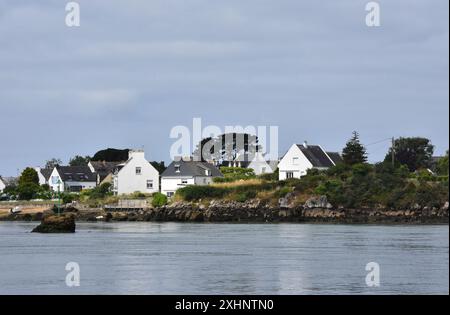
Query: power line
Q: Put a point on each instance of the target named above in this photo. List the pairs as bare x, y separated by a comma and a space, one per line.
379, 141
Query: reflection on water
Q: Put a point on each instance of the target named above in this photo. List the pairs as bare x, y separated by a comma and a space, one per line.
180, 258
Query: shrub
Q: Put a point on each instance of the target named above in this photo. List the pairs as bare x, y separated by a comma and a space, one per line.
159, 200
191, 193
28, 191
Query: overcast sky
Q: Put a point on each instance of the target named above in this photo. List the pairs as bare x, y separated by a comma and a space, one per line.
135, 69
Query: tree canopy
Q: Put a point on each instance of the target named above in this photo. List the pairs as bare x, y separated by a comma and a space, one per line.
415, 153
52, 163
79, 160
111, 155
354, 152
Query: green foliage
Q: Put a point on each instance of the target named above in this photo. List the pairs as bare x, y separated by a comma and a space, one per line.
100, 191
282, 192
159, 166
354, 152
29, 175
79, 160
27, 190
159, 200
270, 176
68, 198
191, 193
52, 163
111, 155
442, 167
245, 195
232, 174
416, 153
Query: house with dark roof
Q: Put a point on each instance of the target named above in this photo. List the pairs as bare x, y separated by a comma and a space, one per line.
104, 170
184, 172
2, 185
43, 174
72, 178
135, 175
302, 157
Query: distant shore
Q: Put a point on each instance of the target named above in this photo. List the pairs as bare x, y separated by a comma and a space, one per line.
234, 212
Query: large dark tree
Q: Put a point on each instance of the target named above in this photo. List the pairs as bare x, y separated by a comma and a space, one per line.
79, 160
160, 166
111, 155
29, 175
354, 152
52, 163
28, 184
415, 153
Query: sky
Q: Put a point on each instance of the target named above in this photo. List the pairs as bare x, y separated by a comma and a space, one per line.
133, 70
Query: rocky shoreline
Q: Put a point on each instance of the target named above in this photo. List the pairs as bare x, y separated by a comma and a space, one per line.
253, 211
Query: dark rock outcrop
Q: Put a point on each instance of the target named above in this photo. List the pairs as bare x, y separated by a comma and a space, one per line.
56, 224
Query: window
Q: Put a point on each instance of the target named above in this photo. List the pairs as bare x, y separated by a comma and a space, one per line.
184, 182
263, 170
289, 175
138, 171
170, 194
177, 168
150, 184
295, 161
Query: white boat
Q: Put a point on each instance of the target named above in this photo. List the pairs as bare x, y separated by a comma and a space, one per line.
16, 209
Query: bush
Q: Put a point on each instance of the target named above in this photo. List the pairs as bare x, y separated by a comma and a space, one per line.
159, 200
191, 193
28, 191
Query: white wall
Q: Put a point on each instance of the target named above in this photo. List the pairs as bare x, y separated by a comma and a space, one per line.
128, 182
287, 163
53, 181
260, 165
171, 184
42, 180
2, 185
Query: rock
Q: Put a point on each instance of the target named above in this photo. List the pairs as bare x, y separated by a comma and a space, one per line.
286, 201
56, 224
318, 202
445, 207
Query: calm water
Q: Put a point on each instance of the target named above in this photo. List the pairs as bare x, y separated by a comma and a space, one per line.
173, 258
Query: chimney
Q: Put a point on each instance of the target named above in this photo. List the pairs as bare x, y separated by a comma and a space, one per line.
133, 153
305, 144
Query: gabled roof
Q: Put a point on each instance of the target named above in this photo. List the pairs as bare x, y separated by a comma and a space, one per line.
103, 168
190, 169
335, 157
76, 174
46, 172
316, 155
10, 181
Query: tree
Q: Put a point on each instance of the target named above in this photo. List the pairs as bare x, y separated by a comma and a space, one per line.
415, 153
159, 166
29, 175
442, 167
79, 160
354, 152
52, 163
28, 184
111, 155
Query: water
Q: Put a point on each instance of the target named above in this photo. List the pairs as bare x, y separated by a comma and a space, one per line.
181, 258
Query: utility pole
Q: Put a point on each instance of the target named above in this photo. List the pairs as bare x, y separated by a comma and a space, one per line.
393, 152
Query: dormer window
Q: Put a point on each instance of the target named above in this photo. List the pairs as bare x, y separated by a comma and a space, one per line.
177, 168
207, 172
138, 170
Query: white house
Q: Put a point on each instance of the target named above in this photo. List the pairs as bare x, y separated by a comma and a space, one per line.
300, 158
72, 179
184, 172
43, 174
135, 175
261, 166
2, 185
